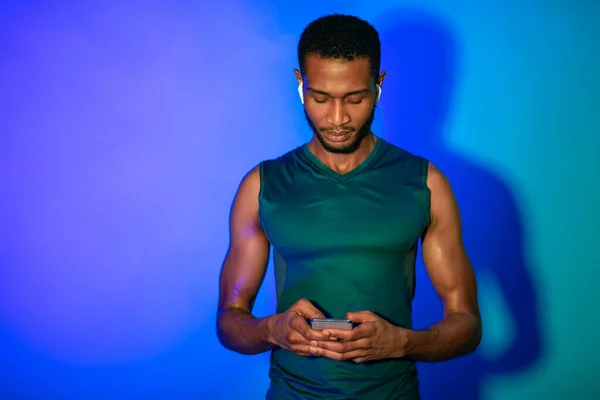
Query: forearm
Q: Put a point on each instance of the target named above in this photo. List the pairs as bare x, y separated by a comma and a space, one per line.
458, 334
243, 333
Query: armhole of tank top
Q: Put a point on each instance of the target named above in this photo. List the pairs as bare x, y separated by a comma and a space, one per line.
261, 175
427, 194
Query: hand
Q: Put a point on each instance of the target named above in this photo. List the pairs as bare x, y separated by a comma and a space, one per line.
373, 339
290, 330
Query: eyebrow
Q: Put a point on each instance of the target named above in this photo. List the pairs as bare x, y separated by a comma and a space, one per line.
347, 94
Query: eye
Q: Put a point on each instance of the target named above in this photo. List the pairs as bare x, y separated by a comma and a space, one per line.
355, 101
320, 100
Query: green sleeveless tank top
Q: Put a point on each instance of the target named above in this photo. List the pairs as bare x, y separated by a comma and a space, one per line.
345, 242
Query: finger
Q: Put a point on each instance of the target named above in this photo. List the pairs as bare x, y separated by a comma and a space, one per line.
343, 347
307, 309
338, 334
362, 331
302, 350
321, 352
362, 316
294, 337
300, 325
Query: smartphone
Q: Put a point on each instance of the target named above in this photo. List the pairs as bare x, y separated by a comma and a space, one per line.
319, 324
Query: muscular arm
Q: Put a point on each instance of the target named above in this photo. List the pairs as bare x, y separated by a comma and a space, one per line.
242, 274
449, 268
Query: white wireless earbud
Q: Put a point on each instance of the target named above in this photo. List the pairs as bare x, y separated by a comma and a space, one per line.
378, 94
301, 92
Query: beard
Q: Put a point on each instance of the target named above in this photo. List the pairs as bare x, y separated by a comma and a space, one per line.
348, 148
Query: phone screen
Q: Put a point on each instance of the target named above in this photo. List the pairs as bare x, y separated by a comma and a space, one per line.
319, 324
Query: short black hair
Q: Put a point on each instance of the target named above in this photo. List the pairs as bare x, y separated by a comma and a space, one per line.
339, 36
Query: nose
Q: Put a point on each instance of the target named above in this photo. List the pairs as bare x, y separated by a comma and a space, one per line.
337, 115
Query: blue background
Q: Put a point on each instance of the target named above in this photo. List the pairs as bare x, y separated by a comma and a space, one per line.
126, 128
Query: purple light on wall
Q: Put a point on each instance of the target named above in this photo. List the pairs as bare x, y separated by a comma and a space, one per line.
119, 127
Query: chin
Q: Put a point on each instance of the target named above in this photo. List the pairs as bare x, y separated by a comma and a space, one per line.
344, 147
347, 145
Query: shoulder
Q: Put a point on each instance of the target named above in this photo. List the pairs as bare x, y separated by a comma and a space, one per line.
252, 180
279, 161
436, 180
443, 205
409, 165
249, 186
275, 168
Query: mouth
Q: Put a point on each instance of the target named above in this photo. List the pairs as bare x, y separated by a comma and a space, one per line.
338, 136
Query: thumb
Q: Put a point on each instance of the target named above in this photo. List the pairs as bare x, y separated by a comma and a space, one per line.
307, 309
362, 316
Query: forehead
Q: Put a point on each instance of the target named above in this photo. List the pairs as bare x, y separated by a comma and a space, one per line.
328, 73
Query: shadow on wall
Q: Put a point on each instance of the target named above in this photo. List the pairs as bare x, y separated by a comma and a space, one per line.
420, 57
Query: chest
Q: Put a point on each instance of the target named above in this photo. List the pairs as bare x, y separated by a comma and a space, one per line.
304, 218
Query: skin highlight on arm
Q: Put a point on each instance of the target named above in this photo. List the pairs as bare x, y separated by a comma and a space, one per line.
449, 268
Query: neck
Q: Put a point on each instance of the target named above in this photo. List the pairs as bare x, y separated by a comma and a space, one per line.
343, 163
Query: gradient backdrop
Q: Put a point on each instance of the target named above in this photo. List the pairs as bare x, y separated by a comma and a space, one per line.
126, 128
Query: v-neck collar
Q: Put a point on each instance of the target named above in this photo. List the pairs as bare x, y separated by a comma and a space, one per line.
336, 176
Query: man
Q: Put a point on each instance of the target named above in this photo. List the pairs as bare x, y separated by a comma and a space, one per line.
344, 214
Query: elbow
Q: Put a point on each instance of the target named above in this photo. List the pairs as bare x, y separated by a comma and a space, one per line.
225, 342
222, 338
221, 331
475, 337
226, 333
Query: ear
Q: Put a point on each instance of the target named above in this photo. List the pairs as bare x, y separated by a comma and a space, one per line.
380, 78
298, 75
